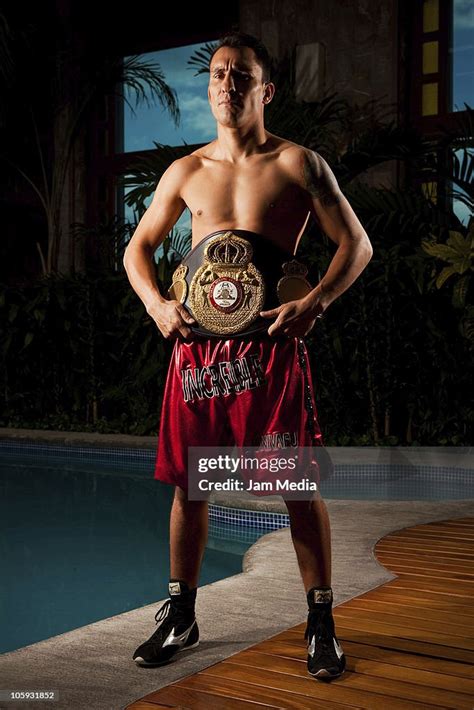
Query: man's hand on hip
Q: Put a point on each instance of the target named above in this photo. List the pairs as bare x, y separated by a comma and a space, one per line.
172, 319
295, 318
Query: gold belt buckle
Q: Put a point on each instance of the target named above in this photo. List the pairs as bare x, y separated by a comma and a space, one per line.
227, 291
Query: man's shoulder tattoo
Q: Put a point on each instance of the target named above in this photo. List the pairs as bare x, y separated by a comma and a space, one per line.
319, 180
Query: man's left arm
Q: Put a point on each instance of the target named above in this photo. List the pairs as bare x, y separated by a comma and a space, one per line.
338, 220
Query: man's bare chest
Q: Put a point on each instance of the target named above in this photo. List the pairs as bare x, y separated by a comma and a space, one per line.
228, 194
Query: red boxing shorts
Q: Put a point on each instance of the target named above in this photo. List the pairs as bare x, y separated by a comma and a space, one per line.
235, 392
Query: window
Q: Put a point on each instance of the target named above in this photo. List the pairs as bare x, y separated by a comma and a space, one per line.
441, 78
461, 51
153, 123
442, 75
150, 122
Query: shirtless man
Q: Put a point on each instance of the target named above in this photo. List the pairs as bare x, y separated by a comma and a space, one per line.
246, 179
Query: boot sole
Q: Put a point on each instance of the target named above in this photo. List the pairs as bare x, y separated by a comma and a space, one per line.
325, 674
140, 662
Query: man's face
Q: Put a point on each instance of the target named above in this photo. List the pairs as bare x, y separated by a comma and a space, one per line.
236, 89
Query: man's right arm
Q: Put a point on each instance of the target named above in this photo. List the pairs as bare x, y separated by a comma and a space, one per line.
164, 211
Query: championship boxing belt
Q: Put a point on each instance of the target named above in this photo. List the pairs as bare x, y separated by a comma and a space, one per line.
232, 275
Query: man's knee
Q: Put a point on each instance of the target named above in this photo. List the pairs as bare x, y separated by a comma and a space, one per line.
181, 498
296, 507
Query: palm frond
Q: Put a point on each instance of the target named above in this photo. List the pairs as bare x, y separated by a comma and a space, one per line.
201, 57
380, 208
147, 80
462, 134
146, 170
462, 175
180, 243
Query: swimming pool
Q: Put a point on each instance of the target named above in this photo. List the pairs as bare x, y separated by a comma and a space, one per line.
85, 529
84, 536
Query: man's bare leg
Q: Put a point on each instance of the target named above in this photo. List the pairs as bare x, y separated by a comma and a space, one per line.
177, 626
188, 537
311, 535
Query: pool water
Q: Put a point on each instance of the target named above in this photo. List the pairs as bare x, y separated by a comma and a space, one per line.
85, 531
83, 540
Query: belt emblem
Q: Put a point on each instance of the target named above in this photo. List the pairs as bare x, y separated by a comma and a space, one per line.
293, 285
179, 288
227, 291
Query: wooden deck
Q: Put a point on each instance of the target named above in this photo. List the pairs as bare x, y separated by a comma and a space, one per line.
408, 643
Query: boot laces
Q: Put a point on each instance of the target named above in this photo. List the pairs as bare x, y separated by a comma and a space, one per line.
172, 616
163, 611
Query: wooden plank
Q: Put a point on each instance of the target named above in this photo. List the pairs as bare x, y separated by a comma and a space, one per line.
405, 631
418, 536
463, 574
444, 615
455, 522
426, 599
442, 531
436, 534
143, 705
458, 556
351, 688
293, 648
421, 646
379, 678
407, 608
429, 559
415, 562
444, 556
176, 695
409, 570
460, 589
285, 698
434, 546
409, 631
398, 621
345, 632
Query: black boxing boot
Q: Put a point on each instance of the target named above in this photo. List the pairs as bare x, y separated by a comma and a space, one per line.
178, 629
326, 658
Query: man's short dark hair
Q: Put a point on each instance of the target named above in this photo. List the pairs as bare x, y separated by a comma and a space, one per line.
241, 39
